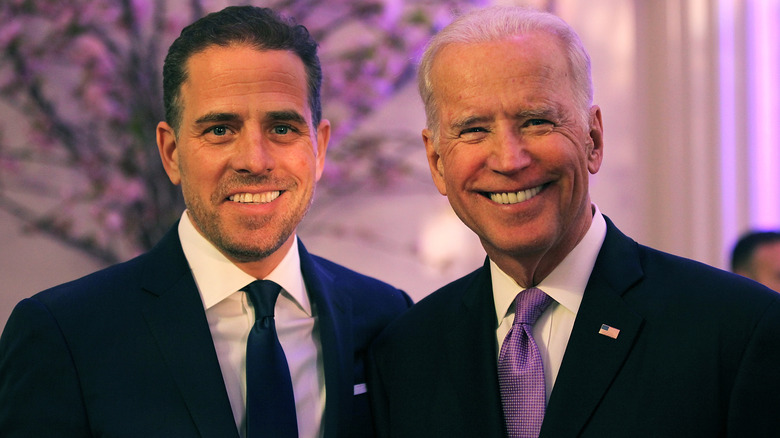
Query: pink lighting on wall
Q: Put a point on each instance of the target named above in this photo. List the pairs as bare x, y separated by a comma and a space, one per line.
728, 118
763, 22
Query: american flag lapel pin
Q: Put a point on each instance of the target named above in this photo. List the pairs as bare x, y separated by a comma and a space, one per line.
610, 331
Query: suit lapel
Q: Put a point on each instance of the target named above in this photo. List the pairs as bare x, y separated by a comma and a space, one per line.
592, 360
334, 319
178, 322
471, 357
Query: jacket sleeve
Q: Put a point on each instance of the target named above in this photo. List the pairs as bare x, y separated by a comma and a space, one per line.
39, 388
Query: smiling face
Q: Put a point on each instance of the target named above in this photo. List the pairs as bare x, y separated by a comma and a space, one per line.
246, 154
513, 152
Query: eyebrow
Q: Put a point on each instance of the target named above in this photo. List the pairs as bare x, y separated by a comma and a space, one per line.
279, 116
541, 112
286, 116
217, 117
469, 121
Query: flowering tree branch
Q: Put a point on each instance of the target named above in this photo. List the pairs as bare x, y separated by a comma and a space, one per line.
80, 93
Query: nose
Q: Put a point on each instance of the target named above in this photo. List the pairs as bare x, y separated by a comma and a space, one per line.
509, 153
253, 154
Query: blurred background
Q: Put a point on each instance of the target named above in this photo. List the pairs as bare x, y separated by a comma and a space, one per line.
689, 92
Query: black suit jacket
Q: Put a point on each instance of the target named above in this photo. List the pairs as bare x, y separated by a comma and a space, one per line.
127, 352
698, 355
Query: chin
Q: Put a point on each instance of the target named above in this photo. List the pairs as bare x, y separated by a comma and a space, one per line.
537, 241
246, 254
242, 249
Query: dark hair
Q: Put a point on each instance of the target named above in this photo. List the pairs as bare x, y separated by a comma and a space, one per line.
743, 251
259, 27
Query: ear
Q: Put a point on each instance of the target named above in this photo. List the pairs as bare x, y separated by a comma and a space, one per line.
169, 152
434, 161
596, 148
323, 138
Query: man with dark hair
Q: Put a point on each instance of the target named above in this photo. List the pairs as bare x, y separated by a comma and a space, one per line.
228, 327
756, 255
570, 328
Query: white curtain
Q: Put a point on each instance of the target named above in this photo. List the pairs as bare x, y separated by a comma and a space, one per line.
690, 91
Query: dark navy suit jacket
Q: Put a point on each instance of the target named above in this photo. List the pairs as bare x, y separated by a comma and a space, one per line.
698, 355
127, 352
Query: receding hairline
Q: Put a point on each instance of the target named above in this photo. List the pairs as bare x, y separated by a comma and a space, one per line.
187, 77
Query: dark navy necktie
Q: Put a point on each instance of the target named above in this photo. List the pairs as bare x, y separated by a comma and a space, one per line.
270, 404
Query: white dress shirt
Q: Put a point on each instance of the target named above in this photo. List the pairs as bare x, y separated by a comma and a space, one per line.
231, 316
566, 285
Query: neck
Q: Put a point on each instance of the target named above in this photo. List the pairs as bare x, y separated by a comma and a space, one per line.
528, 267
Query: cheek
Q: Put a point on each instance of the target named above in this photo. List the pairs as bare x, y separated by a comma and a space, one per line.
572, 156
459, 166
308, 162
200, 173
304, 165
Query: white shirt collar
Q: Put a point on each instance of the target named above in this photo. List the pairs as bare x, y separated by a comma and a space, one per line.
217, 277
566, 283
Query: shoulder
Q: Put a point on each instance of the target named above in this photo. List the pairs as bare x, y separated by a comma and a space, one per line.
365, 304
116, 290
95, 286
348, 277
362, 289
660, 280
444, 299
164, 263
702, 282
430, 314
80, 309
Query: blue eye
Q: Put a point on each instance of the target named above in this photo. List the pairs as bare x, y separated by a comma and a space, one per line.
219, 130
281, 129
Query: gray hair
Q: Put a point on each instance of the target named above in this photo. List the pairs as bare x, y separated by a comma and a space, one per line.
498, 23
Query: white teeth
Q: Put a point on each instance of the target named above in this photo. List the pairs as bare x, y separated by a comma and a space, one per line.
255, 198
515, 197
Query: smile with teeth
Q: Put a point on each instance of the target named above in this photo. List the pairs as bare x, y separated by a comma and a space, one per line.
255, 198
515, 197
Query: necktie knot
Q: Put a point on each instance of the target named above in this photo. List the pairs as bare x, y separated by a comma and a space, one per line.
263, 294
529, 305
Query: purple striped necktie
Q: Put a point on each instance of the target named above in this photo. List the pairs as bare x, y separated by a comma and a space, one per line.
520, 369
